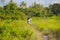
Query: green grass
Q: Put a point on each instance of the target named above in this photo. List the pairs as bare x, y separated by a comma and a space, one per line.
47, 24
15, 30
20, 30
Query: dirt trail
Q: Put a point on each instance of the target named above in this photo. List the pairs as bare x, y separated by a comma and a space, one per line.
38, 34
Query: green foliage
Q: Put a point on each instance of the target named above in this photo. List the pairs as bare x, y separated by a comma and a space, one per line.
48, 25
12, 11
55, 8
23, 5
14, 31
13, 21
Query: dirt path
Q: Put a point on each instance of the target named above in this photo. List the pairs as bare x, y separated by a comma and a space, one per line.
38, 34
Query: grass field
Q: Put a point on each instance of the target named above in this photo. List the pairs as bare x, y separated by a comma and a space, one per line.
20, 30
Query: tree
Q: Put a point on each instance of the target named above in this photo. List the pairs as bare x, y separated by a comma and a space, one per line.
33, 4
38, 8
55, 8
10, 8
11, 1
47, 12
23, 5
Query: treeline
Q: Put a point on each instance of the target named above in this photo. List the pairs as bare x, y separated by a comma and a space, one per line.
12, 11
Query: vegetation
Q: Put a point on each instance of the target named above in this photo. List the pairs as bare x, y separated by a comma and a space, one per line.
13, 24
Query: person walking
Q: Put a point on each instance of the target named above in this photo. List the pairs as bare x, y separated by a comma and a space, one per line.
28, 20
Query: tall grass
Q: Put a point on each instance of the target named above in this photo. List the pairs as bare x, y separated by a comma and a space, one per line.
15, 30
47, 25
20, 30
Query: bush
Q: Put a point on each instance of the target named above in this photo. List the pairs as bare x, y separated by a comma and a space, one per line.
10, 32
